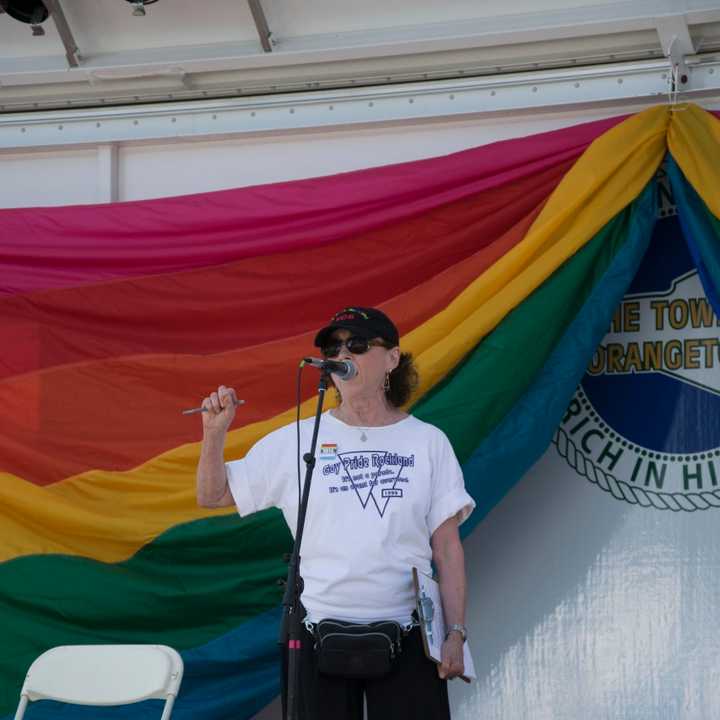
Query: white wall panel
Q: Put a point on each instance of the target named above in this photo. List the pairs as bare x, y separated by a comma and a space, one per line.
48, 178
582, 606
171, 169
161, 169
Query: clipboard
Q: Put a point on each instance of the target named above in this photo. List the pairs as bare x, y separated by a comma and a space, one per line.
432, 622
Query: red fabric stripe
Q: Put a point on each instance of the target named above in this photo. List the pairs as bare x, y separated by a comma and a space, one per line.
116, 414
247, 302
42, 248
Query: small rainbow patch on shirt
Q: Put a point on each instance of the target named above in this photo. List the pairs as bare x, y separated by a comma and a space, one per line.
328, 451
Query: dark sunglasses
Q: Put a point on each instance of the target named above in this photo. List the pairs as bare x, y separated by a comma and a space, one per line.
355, 345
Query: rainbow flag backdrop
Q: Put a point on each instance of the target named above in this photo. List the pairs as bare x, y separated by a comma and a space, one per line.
501, 265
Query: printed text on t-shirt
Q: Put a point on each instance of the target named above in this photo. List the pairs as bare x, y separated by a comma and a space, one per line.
361, 472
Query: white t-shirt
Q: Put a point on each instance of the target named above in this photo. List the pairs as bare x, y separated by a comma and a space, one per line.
376, 497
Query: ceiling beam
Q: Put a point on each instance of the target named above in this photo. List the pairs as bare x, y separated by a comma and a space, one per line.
618, 86
63, 28
636, 30
261, 24
355, 46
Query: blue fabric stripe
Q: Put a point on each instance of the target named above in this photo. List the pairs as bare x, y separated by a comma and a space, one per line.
700, 235
230, 678
527, 430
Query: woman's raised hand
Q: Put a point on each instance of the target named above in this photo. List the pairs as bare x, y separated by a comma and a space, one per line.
220, 409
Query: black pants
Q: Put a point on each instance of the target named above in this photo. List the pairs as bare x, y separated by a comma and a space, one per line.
412, 691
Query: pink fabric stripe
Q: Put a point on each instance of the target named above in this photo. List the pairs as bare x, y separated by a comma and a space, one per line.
42, 248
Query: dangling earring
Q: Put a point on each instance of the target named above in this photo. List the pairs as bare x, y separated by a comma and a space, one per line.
386, 384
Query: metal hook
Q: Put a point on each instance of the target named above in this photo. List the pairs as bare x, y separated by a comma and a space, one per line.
675, 79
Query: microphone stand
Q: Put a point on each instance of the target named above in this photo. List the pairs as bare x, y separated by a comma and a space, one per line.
291, 629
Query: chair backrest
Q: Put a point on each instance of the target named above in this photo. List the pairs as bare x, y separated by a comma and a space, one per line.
104, 675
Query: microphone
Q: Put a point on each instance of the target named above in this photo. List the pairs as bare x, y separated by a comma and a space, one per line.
344, 369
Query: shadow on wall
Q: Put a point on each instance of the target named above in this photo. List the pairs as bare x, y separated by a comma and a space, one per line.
529, 555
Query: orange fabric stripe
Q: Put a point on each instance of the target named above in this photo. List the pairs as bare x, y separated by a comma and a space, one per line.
123, 411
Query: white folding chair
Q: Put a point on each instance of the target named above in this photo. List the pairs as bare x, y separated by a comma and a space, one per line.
104, 675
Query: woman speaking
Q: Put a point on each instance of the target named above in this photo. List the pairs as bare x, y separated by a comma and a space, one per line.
387, 494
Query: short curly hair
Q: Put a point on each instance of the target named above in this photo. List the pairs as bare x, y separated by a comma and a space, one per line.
403, 379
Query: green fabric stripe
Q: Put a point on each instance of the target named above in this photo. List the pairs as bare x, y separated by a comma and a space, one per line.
471, 401
524, 434
193, 583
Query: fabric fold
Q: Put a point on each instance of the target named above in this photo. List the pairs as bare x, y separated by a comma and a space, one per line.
526, 431
101, 242
244, 303
693, 140
702, 233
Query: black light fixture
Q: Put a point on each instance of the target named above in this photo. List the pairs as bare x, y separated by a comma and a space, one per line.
32, 12
139, 6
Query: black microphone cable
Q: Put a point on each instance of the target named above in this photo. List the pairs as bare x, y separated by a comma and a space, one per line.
297, 427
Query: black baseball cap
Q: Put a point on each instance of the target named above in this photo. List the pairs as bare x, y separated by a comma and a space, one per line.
365, 322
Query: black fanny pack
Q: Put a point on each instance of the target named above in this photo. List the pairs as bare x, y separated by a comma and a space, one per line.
357, 650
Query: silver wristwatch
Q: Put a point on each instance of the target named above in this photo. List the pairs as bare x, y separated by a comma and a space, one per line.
458, 628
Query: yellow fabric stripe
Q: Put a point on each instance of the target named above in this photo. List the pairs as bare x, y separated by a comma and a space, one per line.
609, 175
694, 141
110, 515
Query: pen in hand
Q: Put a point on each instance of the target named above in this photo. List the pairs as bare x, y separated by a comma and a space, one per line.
192, 411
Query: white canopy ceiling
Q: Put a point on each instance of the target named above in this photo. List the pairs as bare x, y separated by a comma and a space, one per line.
96, 52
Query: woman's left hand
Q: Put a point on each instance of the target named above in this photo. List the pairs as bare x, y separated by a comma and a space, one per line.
452, 657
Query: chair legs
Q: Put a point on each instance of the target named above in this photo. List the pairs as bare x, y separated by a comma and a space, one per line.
22, 705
